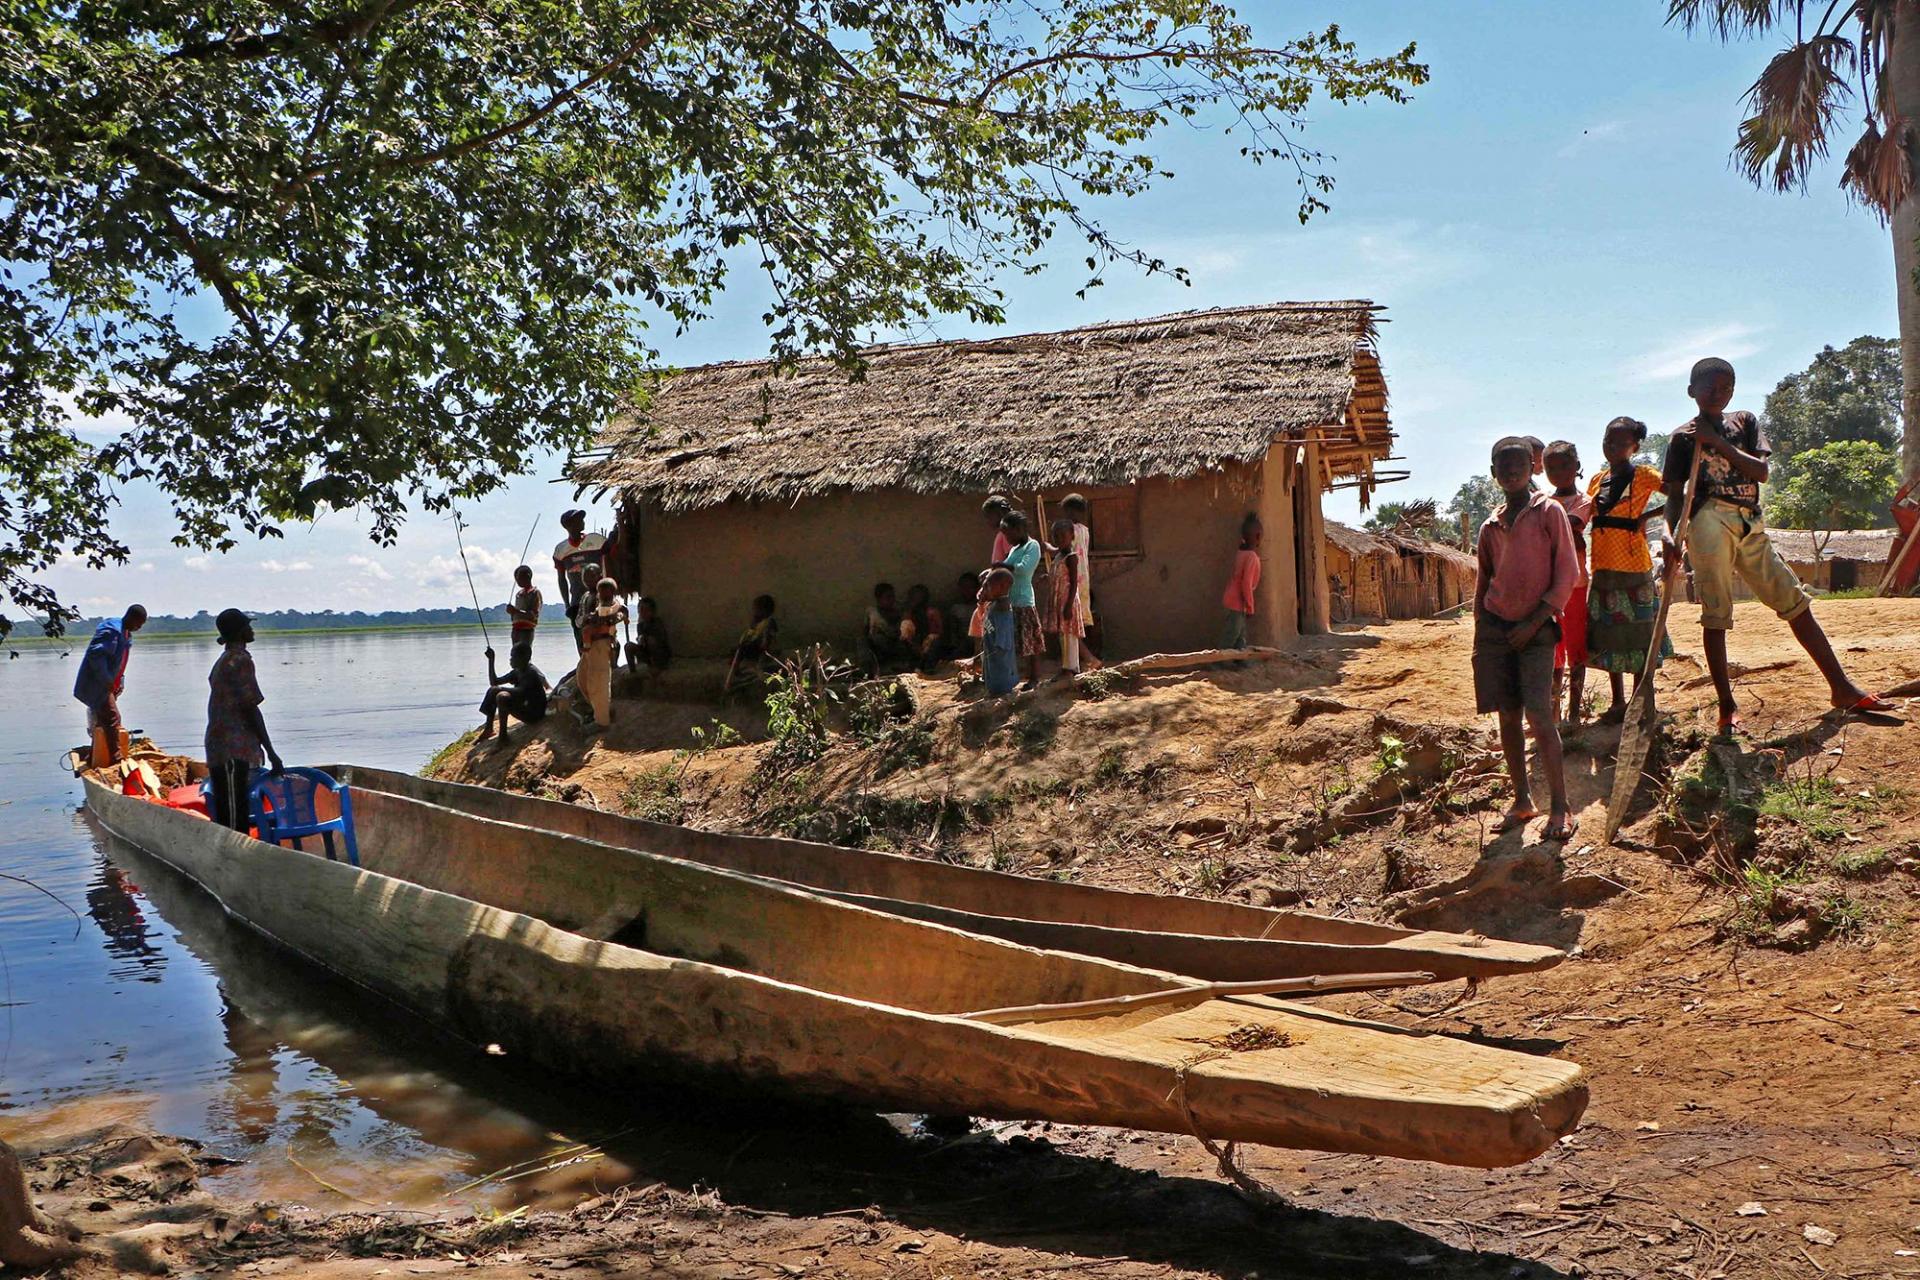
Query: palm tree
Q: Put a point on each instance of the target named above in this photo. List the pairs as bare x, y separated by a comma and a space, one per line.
1871, 47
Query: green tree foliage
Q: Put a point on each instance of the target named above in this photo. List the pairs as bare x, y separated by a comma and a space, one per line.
1844, 485
1477, 499
1849, 393
321, 254
1385, 516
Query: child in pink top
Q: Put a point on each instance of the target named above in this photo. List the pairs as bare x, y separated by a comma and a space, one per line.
1570, 655
1240, 588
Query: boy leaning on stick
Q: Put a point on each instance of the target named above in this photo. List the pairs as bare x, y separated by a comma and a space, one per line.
1528, 572
1728, 536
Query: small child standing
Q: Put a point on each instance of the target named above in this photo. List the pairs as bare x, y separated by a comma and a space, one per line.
1570, 655
1062, 615
1079, 512
998, 663
525, 612
1240, 588
1527, 573
1022, 559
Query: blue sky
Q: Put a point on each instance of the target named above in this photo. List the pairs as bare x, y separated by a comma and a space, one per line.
1552, 224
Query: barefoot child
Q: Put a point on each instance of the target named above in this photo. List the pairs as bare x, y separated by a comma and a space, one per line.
1062, 614
999, 665
522, 695
1079, 512
1570, 655
1728, 536
1622, 597
1022, 558
1238, 598
600, 621
1527, 572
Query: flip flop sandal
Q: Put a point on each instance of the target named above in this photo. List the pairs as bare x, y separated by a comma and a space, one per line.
1732, 725
1559, 834
1515, 821
1872, 707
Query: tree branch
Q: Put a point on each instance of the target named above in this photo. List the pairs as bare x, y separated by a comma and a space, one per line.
253, 46
454, 150
215, 273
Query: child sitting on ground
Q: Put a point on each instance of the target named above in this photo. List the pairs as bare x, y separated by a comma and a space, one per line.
881, 647
1061, 616
1238, 598
1570, 655
758, 644
959, 643
1527, 574
1728, 536
922, 629
650, 637
522, 695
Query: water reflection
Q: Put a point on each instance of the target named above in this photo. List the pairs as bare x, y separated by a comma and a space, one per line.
113, 900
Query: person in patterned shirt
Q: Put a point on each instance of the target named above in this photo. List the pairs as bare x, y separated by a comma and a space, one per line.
237, 741
1729, 536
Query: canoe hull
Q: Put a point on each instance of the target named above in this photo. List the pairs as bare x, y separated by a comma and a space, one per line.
1201, 938
628, 1018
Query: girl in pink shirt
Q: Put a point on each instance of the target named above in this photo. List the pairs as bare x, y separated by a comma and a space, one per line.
1240, 588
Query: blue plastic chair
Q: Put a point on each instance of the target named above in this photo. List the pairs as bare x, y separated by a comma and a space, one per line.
292, 814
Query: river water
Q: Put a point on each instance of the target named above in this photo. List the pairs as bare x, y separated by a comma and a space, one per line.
145, 1003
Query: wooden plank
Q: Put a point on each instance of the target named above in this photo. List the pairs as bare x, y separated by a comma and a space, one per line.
622, 1016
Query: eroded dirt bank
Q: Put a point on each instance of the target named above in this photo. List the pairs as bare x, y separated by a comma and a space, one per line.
1743, 992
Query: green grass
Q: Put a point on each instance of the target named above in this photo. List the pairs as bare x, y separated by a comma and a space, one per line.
654, 794
1862, 864
1818, 806
432, 767
1851, 593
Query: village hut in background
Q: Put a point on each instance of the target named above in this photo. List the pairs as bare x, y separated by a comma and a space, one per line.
1840, 561
740, 478
1377, 576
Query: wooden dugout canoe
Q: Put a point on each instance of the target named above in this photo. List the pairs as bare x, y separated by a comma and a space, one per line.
630, 966
1198, 937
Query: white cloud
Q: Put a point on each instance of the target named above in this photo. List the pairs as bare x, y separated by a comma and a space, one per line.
488, 566
85, 424
1605, 131
371, 567
277, 566
1671, 361
197, 564
145, 566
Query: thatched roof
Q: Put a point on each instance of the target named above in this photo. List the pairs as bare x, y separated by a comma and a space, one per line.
1798, 545
1360, 542
1107, 404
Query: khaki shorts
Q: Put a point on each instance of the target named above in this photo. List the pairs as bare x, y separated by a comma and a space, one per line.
1727, 539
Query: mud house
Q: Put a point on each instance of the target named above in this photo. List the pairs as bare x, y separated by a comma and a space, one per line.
1850, 558
738, 478
1376, 576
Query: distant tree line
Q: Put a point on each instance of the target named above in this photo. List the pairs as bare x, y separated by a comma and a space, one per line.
1835, 431
304, 620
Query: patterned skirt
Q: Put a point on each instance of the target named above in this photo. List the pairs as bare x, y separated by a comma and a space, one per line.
1030, 641
1621, 608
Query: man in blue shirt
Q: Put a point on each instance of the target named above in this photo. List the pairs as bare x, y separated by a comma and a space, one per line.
103, 674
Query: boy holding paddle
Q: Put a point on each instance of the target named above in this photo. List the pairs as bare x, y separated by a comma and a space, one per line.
1729, 536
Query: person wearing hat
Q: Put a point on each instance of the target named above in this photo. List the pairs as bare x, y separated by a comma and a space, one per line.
237, 741
571, 555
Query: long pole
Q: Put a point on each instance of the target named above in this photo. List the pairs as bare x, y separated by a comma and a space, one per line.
460, 542
528, 545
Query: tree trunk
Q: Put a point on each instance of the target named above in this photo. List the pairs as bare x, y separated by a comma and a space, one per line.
1903, 83
29, 1239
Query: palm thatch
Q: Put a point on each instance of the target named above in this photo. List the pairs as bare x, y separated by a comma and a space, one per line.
1107, 404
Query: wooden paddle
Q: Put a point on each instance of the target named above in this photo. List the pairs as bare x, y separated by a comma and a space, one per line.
1636, 730
1319, 982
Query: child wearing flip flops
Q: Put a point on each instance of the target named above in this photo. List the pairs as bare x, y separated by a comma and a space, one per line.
1528, 572
1728, 536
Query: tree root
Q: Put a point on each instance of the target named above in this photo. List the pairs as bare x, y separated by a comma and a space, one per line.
29, 1239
